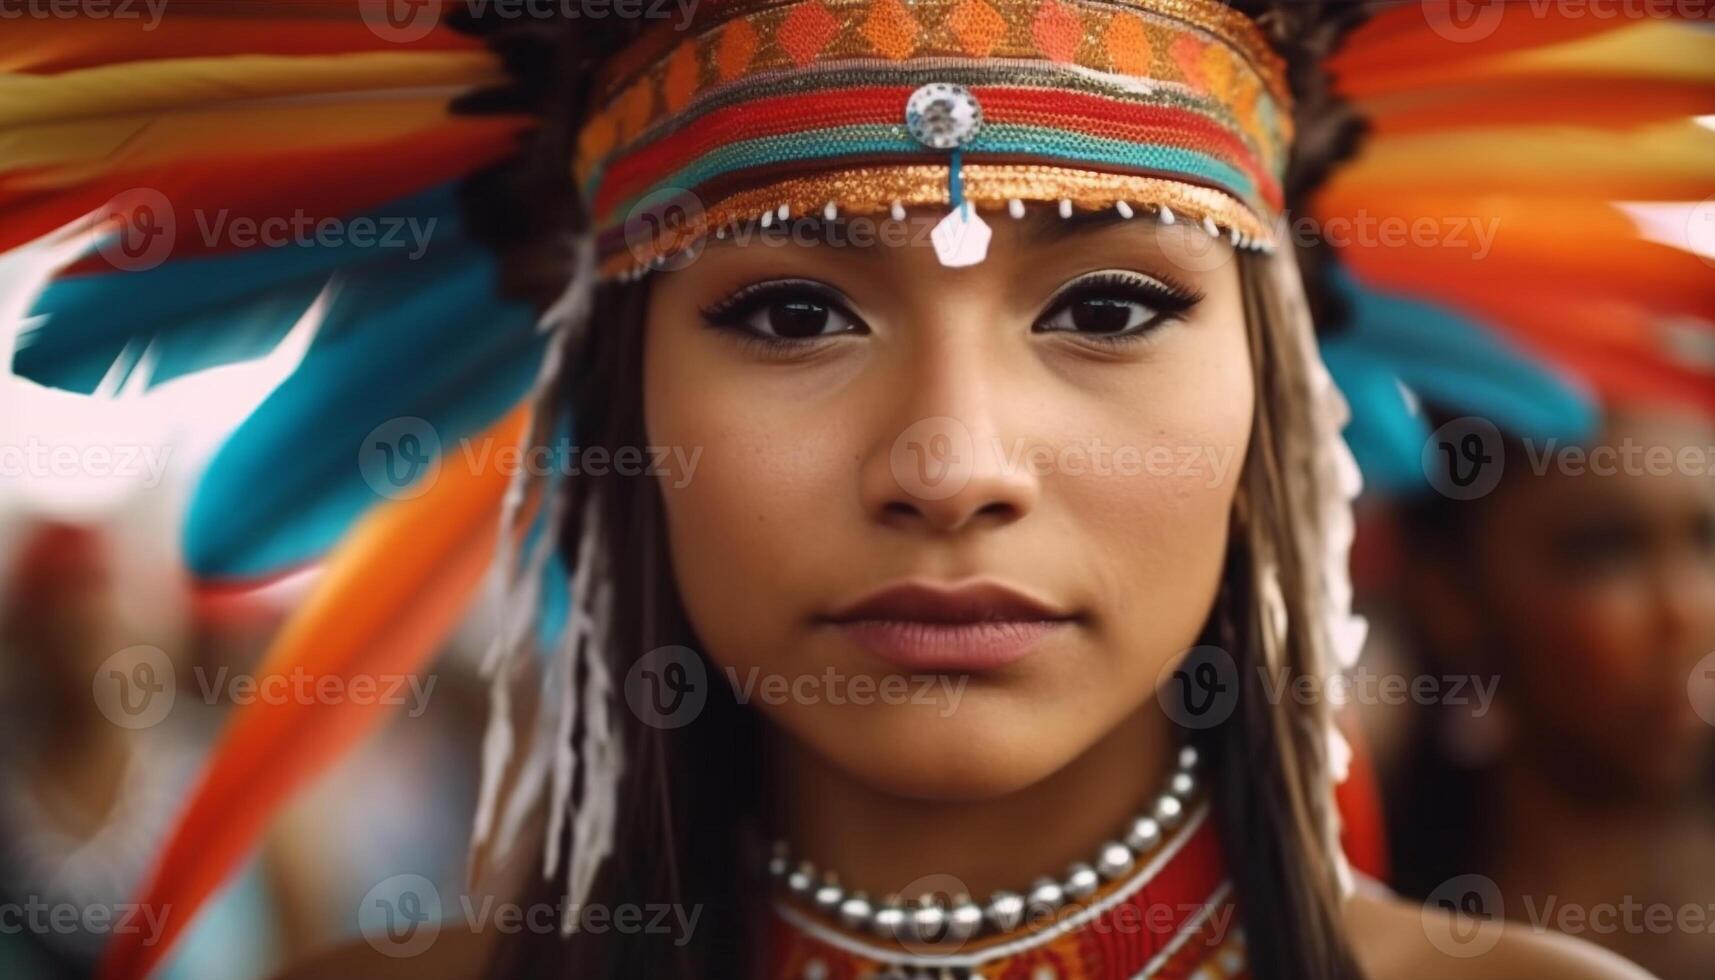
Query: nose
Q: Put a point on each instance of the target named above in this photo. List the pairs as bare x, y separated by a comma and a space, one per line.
948, 455
1685, 590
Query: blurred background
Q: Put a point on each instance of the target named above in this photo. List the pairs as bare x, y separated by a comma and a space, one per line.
1533, 391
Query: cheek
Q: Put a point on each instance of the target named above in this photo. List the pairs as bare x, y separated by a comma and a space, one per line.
1584, 650
1153, 532
740, 524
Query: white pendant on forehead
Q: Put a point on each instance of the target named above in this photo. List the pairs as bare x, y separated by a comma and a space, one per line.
961, 238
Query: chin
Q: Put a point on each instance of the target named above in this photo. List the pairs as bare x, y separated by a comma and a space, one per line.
990, 746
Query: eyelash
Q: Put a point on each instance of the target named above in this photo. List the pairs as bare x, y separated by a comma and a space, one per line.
1169, 300
730, 314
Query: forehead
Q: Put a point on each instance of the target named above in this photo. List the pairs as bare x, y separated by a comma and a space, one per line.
879, 242
1643, 464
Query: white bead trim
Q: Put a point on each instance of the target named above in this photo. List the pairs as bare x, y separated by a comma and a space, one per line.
1014, 207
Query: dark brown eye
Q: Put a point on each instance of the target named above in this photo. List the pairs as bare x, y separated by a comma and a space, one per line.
1107, 316
799, 318
1103, 315
785, 311
1114, 306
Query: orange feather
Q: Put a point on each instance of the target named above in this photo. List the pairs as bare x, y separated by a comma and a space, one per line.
1607, 103
1400, 49
1581, 249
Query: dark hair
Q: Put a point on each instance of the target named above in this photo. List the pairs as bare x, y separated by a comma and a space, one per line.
687, 795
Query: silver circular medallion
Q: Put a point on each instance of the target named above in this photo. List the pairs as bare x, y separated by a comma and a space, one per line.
942, 115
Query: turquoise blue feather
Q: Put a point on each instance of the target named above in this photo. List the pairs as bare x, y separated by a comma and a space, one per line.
197, 313
1396, 344
423, 339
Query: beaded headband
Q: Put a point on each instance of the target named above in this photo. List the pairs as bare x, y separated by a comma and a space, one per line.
764, 109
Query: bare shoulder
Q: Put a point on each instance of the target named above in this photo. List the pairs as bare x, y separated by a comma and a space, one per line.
454, 954
1396, 939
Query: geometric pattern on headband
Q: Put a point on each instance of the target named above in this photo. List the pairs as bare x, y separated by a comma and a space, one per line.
1165, 104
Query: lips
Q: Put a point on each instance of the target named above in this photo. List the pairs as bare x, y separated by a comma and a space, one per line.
924, 627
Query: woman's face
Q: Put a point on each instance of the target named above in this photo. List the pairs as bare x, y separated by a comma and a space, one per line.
1065, 421
1598, 589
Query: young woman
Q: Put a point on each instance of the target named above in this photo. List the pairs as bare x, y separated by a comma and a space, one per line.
1017, 496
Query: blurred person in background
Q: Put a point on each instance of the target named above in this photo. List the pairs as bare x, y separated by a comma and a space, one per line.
92, 771
1584, 585
100, 743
